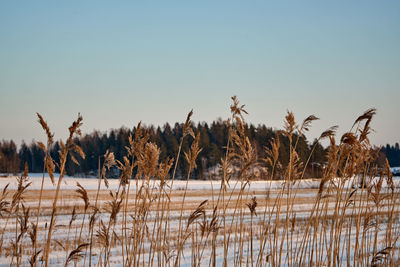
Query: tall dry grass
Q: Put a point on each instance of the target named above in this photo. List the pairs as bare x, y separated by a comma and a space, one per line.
353, 219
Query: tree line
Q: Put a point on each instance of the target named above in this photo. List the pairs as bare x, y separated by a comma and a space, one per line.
393, 154
213, 140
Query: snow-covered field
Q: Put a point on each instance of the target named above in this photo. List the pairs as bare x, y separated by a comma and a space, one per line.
246, 231
69, 183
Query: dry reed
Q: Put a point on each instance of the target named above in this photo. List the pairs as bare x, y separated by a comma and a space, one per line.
352, 219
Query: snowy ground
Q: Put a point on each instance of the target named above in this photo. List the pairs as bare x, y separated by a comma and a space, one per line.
69, 183
198, 191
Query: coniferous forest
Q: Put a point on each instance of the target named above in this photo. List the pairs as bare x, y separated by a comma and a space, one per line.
213, 138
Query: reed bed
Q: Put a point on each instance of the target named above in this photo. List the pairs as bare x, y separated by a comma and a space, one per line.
351, 219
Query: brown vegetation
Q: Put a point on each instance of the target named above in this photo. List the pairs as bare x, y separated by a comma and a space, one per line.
233, 225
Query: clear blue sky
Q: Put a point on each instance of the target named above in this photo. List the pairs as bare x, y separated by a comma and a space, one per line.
121, 62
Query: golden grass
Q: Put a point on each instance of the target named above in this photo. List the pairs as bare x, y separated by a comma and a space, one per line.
231, 224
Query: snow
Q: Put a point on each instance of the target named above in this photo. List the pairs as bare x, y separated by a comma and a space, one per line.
69, 183
395, 171
200, 190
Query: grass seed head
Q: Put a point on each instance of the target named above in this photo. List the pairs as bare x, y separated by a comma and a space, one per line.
186, 127
194, 151
289, 124
305, 126
367, 115
252, 206
47, 130
76, 254
331, 131
82, 194
197, 213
